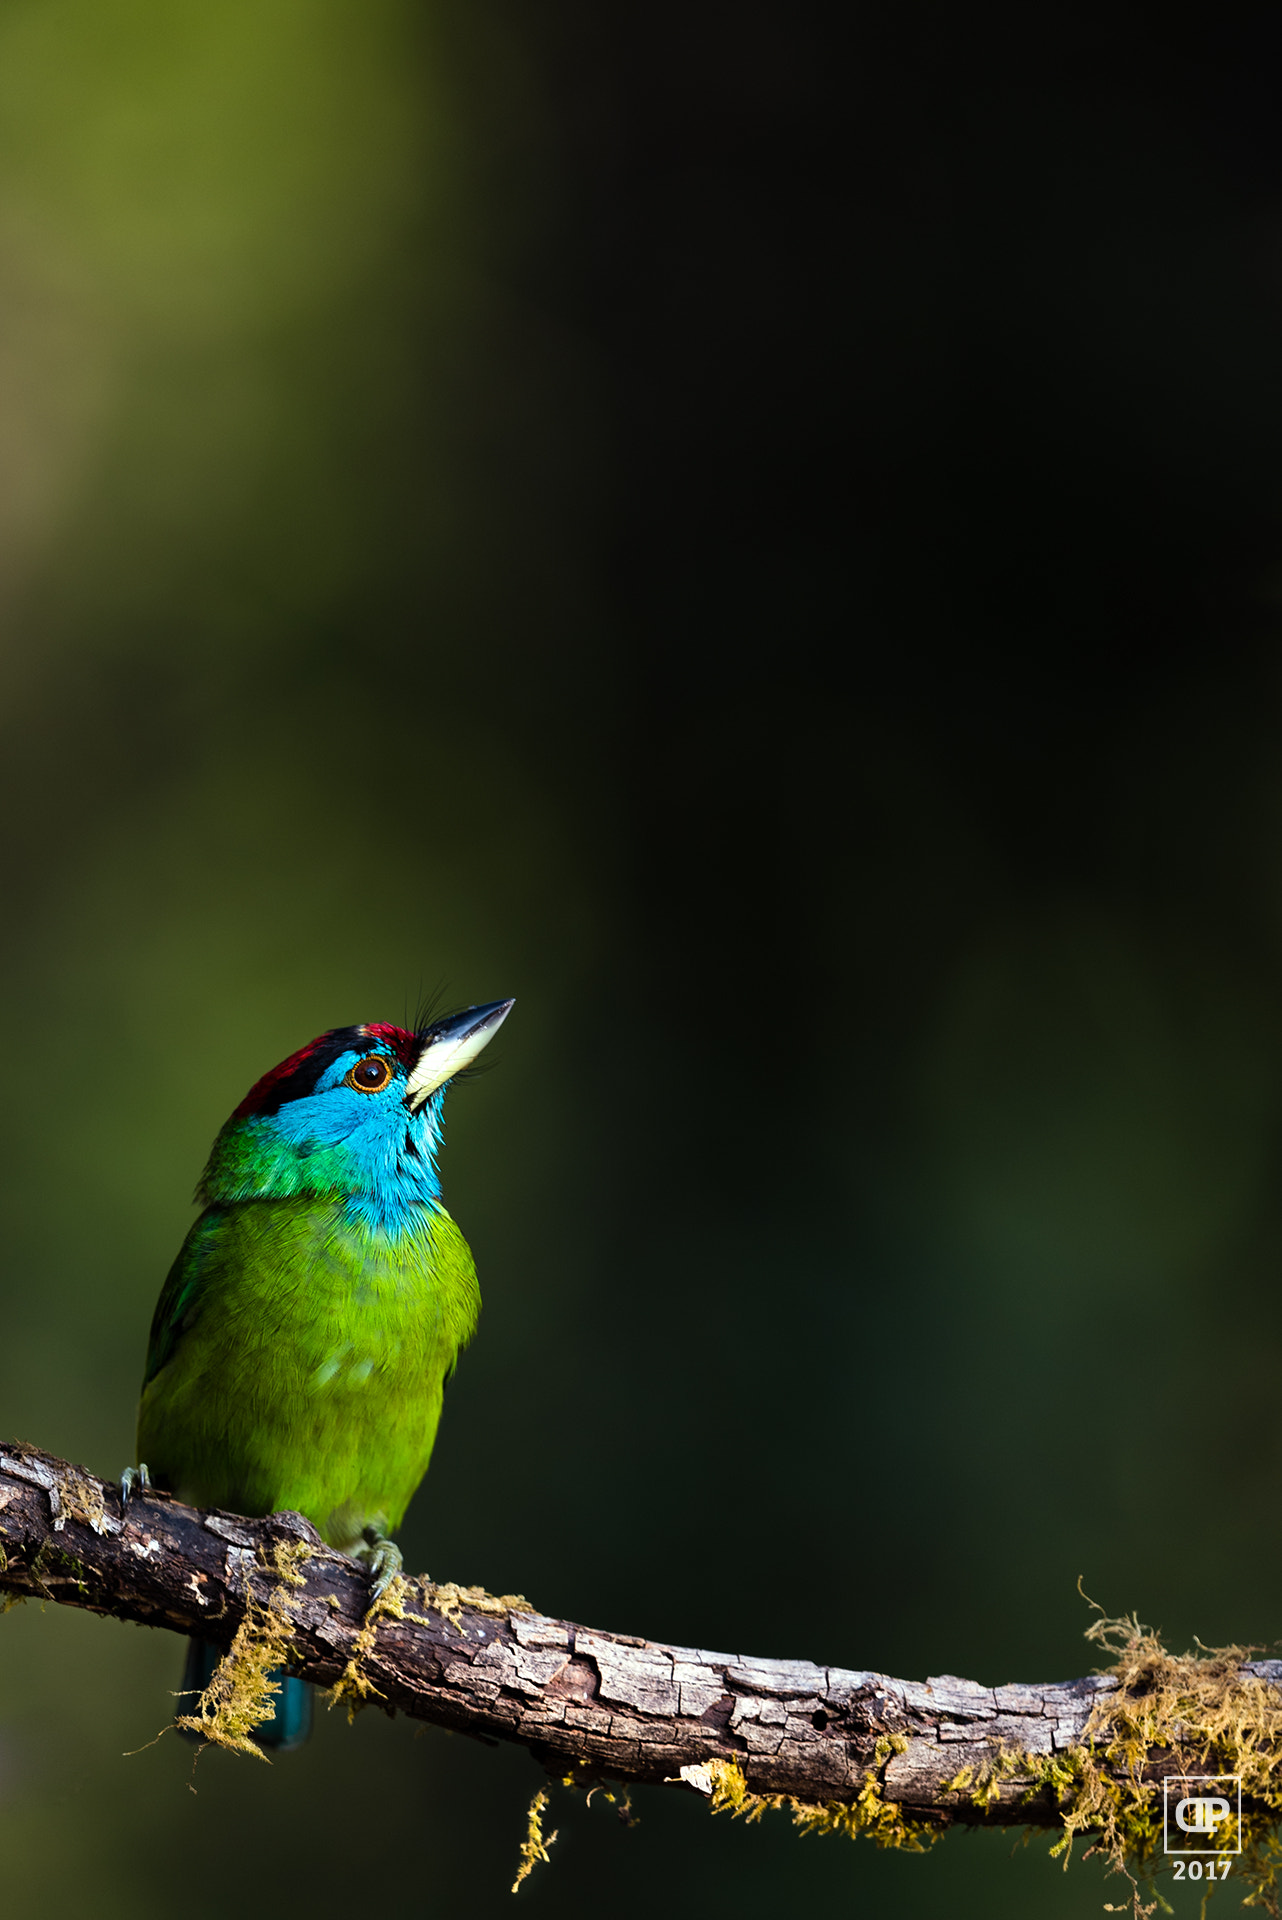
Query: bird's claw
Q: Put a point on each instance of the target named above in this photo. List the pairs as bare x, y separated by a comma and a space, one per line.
384, 1560
133, 1481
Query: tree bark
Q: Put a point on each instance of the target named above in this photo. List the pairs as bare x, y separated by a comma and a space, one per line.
586, 1703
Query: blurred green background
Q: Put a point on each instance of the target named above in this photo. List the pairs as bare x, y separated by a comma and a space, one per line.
756, 531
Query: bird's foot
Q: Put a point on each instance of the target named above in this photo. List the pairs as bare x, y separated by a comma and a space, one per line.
133, 1481
383, 1558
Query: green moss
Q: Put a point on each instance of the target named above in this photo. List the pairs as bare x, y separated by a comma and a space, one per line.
534, 1847
1188, 1713
450, 1601
353, 1684
80, 1499
1170, 1713
241, 1692
869, 1813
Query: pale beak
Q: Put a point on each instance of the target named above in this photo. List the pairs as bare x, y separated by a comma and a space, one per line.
452, 1044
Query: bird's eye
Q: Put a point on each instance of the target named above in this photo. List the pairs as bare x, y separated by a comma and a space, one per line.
370, 1075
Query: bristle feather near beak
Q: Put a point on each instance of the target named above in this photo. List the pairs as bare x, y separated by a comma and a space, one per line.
452, 1044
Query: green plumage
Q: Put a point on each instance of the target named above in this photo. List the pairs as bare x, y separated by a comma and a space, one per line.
298, 1358
303, 1338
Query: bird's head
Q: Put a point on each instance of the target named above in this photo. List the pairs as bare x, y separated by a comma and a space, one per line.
355, 1112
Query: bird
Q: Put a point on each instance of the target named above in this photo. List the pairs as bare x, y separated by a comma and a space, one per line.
304, 1336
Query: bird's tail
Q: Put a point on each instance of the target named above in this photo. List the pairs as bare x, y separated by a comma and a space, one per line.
289, 1725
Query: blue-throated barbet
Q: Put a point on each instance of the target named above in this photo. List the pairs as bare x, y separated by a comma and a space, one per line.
302, 1341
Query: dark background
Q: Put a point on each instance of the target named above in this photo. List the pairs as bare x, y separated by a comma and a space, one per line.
756, 530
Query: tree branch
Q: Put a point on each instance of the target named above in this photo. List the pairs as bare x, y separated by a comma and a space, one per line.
585, 1703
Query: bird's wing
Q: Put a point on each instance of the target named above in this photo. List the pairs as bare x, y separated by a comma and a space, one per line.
183, 1293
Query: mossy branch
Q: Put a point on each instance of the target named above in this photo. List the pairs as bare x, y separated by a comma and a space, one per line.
843, 1751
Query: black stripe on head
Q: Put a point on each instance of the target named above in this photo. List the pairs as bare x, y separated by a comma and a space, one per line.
296, 1077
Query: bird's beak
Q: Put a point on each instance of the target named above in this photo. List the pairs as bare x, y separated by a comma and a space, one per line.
452, 1044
